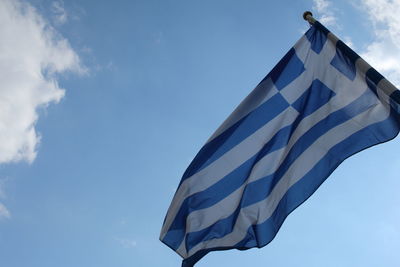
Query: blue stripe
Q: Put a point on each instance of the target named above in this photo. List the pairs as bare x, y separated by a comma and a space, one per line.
261, 234
260, 189
214, 149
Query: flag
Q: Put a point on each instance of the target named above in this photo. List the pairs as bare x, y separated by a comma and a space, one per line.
319, 105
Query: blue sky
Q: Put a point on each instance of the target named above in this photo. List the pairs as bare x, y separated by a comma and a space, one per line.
106, 103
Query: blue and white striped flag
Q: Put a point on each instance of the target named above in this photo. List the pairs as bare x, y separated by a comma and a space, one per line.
321, 104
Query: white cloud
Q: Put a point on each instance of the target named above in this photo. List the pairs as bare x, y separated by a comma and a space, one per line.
60, 15
32, 54
4, 213
324, 9
384, 52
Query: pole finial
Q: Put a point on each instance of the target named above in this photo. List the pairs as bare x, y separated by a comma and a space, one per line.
305, 14
308, 16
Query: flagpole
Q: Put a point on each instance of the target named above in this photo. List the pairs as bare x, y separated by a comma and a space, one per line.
308, 16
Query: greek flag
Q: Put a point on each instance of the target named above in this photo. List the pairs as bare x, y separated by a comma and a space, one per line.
319, 105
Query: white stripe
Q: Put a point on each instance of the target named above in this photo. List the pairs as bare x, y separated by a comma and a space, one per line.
261, 211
